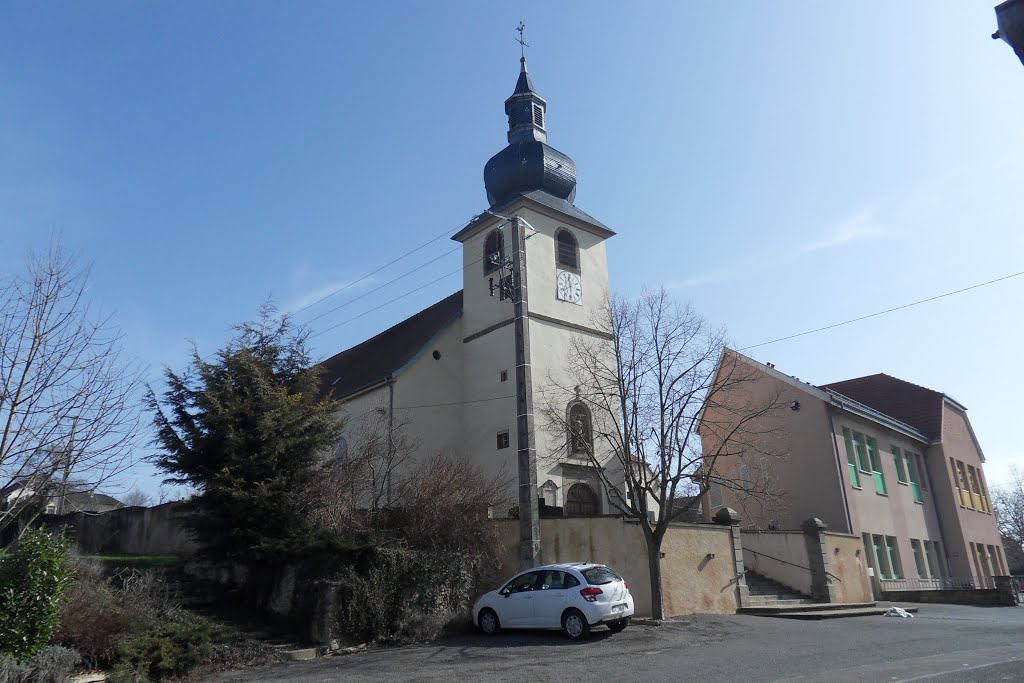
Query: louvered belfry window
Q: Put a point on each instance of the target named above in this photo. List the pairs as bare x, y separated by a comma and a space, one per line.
494, 250
538, 116
567, 248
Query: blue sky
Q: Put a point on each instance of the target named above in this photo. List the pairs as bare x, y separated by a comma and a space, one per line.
782, 165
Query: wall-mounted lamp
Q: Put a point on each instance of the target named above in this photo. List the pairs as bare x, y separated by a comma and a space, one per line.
795, 405
710, 556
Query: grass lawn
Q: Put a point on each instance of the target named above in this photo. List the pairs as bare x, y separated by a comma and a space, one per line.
139, 561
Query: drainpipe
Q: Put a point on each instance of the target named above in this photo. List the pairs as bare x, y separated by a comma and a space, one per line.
391, 427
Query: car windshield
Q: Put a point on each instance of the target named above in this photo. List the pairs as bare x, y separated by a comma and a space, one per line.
597, 576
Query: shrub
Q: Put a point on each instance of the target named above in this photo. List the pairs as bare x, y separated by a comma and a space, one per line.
33, 577
399, 595
94, 616
168, 650
50, 665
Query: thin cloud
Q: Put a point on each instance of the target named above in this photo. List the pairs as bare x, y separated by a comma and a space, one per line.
709, 278
325, 290
857, 227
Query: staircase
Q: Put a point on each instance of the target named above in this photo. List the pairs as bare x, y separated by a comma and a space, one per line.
770, 598
226, 606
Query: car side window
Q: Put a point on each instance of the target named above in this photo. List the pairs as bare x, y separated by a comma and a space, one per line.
524, 582
551, 579
571, 581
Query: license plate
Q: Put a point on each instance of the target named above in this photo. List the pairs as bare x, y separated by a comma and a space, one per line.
618, 608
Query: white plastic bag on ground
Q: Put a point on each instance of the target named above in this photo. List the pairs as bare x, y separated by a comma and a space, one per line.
899, 612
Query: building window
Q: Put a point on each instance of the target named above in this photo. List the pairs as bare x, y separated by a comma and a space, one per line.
567, 250
580, 500
897, 459
876, 466
915, 477
931, 559
715, 496
851, 458
979, 502
745, 479
919, 559
965, 487
502, 439
1002, 567
881, 557
922, 473
581, 437
538, 116
494, 251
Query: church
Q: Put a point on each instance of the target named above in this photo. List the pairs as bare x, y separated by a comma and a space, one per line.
451, 370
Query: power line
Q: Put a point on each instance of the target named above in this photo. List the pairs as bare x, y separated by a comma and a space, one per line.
888, 310
454, 403
393, 300
377, 289
386, 265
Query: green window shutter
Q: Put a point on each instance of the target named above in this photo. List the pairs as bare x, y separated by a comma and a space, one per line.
876, 466
894, 557
922, 477
897, 459
880, 558
915, 482
850, 458
922, 571
858, 449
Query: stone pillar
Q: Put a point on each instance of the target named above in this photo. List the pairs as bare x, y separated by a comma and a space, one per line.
728, 517
822, 588
1006, 590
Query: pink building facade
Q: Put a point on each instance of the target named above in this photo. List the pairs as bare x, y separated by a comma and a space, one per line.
889, 461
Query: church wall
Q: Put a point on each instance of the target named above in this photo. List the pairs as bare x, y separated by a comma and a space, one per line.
553, 390
541, 271
489, 404
418, 387
481, 309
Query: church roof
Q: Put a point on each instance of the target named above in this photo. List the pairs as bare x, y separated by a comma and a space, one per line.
383, 356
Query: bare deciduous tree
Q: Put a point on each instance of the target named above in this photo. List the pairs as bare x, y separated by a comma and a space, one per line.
1008, 504
69, 401
668, 405
137, 498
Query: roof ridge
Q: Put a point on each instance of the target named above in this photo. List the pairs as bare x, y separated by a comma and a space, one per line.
417, 314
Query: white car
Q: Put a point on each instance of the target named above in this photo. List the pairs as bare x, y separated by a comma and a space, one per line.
572, 597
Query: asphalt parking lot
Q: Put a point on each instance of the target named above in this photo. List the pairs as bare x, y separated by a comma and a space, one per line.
943, 643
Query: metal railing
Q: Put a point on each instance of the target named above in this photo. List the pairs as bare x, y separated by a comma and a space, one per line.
792, 564
938, 584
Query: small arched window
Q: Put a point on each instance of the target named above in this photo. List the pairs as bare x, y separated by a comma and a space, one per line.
549, 493
581, 433
341, 451
494, 251
580, 500
567, 250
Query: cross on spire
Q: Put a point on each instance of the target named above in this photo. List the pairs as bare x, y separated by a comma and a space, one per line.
522, 43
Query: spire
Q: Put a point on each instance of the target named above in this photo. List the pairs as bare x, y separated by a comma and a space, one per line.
525, 108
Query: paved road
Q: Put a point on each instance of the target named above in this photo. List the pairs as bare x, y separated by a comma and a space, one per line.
944, 643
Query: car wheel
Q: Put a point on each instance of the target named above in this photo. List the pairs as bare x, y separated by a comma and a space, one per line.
575, 624
488, 621
616, 626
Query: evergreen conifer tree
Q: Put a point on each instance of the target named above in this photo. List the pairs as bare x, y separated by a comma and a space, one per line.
249, 430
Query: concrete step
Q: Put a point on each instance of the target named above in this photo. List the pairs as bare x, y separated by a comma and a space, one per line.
764, 601
814, 611
300, 655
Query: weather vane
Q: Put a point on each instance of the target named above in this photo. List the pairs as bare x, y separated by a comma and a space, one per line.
522, 43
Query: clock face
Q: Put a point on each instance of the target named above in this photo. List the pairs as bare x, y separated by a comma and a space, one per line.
569, 288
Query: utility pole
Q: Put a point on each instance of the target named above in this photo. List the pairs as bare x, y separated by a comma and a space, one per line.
529, 524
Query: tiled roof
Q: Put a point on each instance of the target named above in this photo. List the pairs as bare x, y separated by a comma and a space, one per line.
378, 358
915, 405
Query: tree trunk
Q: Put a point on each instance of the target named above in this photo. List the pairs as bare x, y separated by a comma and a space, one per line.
654, 566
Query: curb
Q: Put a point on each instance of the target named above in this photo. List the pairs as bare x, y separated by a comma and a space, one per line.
642, 621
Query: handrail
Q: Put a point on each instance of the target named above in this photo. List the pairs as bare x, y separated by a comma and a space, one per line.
792, 564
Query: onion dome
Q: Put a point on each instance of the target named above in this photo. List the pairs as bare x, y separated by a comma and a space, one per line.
528, 162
